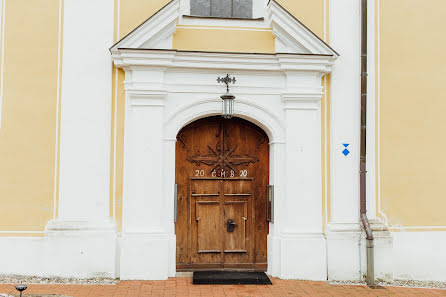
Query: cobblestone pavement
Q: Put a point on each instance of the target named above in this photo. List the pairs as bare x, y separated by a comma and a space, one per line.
183, 287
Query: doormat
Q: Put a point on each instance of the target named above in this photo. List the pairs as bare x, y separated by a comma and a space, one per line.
230, 278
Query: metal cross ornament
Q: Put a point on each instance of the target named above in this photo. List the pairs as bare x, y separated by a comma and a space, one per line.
226, 80
228, 99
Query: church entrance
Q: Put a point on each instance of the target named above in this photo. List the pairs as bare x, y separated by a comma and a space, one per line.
222, 173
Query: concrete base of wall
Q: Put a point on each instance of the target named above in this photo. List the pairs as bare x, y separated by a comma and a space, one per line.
80, 249
147, 257
300, 256
93, 253
346, 252
419, 255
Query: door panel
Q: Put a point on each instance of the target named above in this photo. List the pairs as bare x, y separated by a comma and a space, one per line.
235, 241
222, 173
238, 245
206, 215
208, 226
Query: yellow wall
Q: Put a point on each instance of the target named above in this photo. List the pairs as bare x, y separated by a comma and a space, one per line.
224, 40
309, 12
411, 104
412, 109
28, 130
28, 133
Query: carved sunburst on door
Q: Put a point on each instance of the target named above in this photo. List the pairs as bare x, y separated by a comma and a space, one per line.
222, 159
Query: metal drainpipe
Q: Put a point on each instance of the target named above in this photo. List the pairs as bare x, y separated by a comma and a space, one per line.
363, 169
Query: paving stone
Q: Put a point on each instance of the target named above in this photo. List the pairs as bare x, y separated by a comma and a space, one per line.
183, 287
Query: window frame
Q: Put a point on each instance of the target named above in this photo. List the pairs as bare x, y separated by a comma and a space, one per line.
223, 17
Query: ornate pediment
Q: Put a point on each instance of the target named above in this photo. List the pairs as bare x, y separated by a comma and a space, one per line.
291, 36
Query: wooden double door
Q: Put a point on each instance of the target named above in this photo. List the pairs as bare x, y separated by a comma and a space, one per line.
222, 169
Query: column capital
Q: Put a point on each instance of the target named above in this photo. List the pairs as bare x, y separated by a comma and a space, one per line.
301, 100
72, 226
147, 97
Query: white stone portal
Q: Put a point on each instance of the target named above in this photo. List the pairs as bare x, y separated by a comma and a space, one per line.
165, 91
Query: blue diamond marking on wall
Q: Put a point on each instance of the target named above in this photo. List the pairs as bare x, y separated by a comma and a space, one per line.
346, 151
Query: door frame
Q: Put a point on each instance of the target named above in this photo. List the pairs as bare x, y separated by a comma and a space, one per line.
269, 123
253, 141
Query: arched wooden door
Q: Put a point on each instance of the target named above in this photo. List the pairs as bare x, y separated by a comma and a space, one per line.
222, 172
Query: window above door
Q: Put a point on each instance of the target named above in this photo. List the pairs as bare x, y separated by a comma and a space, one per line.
238, 9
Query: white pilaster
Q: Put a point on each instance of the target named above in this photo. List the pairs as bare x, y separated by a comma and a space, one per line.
298, 238
302, 169
83, 205
343, 232
148, 240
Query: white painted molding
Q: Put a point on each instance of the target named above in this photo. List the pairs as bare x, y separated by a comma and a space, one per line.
137, 58
246, 109
378, 111
147, 98
225, 24
292, 36
308, 101
2, 73
21, 232
60, 225
158, 28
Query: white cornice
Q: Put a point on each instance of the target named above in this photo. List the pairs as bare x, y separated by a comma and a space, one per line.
131, 58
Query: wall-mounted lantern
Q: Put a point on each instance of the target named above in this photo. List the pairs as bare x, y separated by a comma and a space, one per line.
228, 99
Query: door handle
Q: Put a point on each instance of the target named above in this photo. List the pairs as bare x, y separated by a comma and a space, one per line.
230, 225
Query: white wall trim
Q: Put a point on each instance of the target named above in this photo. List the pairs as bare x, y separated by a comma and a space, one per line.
56, 144
224, 28
378, 39
423, 228
22, 232
271, 124
2, 74
115, 115
326, 146
235, 61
